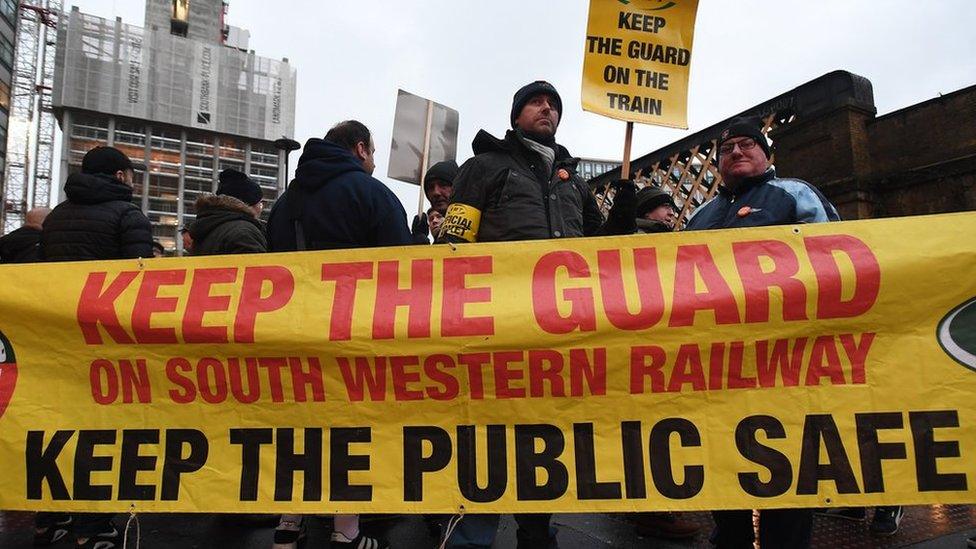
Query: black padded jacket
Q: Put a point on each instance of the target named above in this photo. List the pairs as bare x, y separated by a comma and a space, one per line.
97, 221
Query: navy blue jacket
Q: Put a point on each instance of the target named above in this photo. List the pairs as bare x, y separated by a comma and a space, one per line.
763, 201
338, 204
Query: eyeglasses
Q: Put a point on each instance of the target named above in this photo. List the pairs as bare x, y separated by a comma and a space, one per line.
744, 145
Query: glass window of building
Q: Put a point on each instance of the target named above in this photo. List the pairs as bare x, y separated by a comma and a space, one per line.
5, 96
8, 8
6, 52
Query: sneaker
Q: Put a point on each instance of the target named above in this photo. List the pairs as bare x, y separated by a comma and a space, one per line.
858, 514
886, 520
971, 542
664, 525
290, 532
53, 533
340, 541
104, 540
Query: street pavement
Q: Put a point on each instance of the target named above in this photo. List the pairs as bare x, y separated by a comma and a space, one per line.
932, 527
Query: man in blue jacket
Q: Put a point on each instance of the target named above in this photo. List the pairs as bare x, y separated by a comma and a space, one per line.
753, 196
334, 202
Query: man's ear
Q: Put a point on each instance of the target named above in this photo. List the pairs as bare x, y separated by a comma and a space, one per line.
120, 175
362, 151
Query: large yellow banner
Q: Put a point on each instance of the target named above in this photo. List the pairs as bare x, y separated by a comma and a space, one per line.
808, 365
637, 60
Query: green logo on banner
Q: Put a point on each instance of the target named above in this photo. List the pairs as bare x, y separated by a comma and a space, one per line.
957, 334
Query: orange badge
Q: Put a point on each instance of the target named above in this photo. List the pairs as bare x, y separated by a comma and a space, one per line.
744, 211
563, 174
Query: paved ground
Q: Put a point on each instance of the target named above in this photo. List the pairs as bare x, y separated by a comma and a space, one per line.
944, 526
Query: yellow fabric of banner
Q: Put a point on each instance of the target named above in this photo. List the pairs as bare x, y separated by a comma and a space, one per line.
798, 366
637, 60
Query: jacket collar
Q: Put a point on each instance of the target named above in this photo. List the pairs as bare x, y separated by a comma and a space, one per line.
484, 142
748, 183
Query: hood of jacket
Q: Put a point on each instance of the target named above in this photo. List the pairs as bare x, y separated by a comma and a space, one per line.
484, 142
214, 210
323, 161
84, 188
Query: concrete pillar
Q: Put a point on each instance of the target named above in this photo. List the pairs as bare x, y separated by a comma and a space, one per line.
67, 127
146, 155
216, 164
111, 132
181, 188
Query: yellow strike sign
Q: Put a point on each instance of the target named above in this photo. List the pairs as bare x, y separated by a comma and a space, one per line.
637, 60
802, 366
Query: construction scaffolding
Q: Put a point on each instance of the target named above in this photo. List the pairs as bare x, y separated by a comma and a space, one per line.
30, 141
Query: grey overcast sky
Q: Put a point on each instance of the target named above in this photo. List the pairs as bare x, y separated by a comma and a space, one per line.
472, 55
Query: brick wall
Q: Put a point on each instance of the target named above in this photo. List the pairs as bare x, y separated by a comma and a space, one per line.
918, 160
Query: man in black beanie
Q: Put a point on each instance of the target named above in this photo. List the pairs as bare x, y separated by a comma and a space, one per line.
97, 222
228, 222
752, 195
438, 188
522, 187
655, 211
543, 195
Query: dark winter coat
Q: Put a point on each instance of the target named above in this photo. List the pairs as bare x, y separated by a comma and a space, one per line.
650, 226
338, 204
97, 221
20, 246
225, 225
517, 199
762, 201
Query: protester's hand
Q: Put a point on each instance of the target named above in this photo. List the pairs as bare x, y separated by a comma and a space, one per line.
624, 198
419, 229
621, 218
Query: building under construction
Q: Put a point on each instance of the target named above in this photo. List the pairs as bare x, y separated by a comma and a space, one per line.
182, 97
8, 25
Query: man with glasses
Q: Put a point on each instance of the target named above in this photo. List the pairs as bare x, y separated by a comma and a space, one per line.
752, 195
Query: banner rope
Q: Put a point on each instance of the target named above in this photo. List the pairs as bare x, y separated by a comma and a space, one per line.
451, 525
125, 536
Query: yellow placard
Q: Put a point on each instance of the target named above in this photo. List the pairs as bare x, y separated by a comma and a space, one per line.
637, 60
797, 366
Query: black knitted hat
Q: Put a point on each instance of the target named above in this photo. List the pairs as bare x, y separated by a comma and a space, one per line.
529, 91
744, 128
105, 160
649, 198
444, 171
240, 186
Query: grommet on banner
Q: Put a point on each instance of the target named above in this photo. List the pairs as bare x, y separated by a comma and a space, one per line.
132, 518
451, 525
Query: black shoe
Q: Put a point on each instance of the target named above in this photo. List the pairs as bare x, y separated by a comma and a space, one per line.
290, 533
858, 514
340, 541
971, 542
53, 533
104, 540
886, 520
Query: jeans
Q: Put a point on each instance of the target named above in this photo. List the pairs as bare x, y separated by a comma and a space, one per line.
777, 528
478, 532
